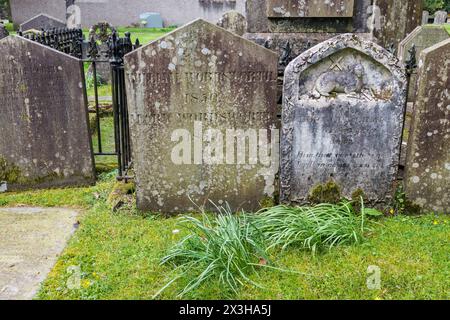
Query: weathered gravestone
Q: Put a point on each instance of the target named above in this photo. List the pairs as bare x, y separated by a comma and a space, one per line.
203, 119
395, 20
44, 139
310, 8
234, 22
425, 17
42, 21
427, 176
440, 17
421, 38
342, 120
3, 32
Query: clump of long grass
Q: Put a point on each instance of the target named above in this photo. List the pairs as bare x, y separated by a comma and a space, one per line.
312, 228
224, 247
229, 247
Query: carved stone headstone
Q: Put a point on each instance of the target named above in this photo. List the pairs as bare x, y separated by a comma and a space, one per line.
425, 17
427, 176
421, 38
310, 8
202, 118
3, 32
440, 17
342, 120
42, 21
396, 20
234, 22
45, 140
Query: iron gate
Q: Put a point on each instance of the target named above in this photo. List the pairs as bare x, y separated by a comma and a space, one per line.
72, 42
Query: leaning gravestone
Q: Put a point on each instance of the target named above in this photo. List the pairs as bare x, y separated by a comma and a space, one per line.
44, 139
342, 120
427, 176
234, 22
421, 38
3, 32
42, 21
440, 17
202, 116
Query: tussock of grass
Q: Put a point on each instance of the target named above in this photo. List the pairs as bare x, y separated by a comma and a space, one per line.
311, 228
225, 247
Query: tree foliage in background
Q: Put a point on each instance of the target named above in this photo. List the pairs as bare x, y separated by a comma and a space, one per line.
435, 5
4, 9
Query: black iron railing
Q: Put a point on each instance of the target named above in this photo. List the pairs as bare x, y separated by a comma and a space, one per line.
72, 42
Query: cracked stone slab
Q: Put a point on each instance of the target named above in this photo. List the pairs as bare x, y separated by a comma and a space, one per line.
31, 240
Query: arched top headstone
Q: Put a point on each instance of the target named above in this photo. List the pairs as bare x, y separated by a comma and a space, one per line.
233, 21
370, 58
342, 120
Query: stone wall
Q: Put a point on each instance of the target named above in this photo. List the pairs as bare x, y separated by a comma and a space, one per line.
124, 13
22, 10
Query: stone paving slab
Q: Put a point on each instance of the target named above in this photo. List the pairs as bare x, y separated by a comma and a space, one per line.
30, 241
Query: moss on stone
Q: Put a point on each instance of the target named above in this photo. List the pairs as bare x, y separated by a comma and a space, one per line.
9, 172
329, 192
121, 195
267, 202
356, 198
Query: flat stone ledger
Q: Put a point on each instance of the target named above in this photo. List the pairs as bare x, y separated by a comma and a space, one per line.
310, 8
45, 140
42, 21
203, 120
342, 120
427, 176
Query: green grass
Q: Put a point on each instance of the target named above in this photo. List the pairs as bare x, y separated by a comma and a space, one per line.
108, 144
447, 26
119, 255
145, 35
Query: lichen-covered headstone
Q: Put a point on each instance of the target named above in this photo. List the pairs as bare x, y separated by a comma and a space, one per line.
421, 38
42, 21
202, 105
3, 32
233, 21
440, 17
425, 17
396, 20
310, 8
45, 140
427, 176
342, 120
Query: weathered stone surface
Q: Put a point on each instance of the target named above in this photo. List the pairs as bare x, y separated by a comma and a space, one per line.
427, 177
259, 22
394, 20
425, 17
440, 17
45, 139
310, 8
189, 93
34, 239
234, 22
342, 120
3, 32
42, 21
422, 37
